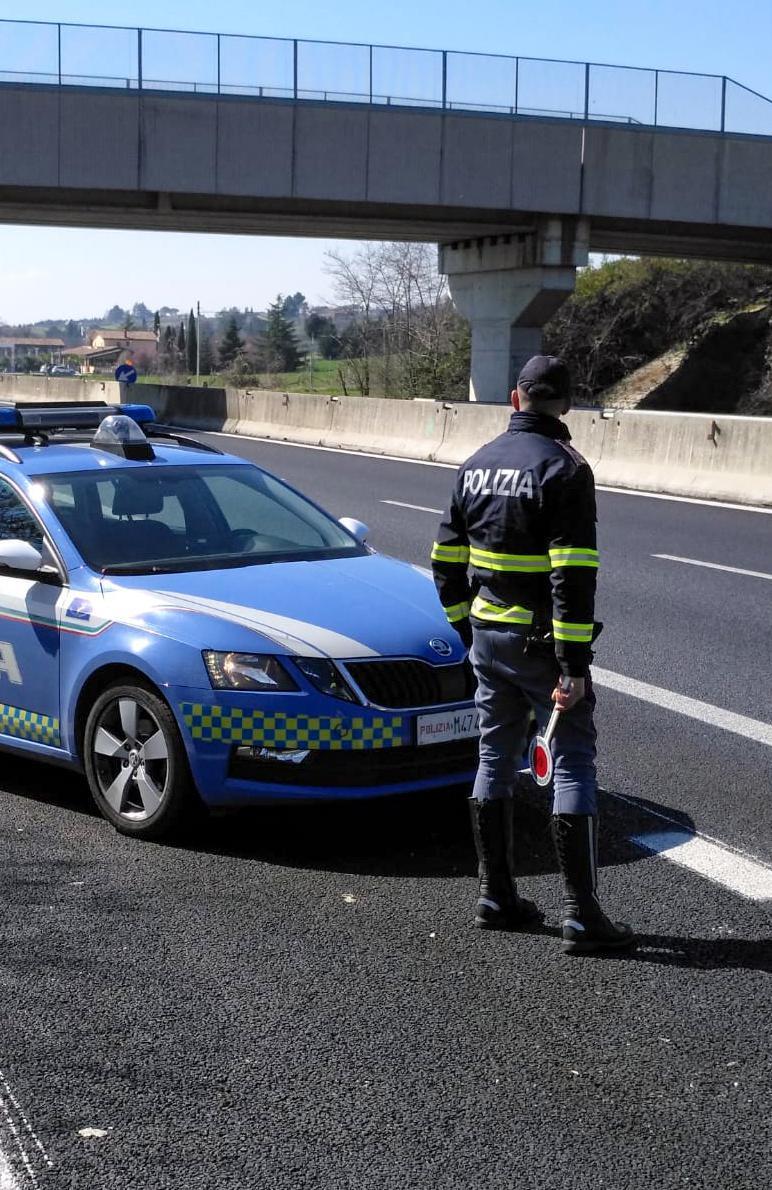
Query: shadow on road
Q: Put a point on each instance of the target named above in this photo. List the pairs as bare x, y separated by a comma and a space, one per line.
410, 836
413, 835
700, 954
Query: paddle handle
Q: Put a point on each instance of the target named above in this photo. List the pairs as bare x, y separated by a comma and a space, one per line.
553, 722
565, 684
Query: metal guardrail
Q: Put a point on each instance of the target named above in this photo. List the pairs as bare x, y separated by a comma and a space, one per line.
169, 60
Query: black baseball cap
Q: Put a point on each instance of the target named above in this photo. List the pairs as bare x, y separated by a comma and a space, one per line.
545, 377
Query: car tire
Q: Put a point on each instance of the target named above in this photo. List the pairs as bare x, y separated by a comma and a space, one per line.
135, 762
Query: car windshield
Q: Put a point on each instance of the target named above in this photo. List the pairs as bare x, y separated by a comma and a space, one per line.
160, 519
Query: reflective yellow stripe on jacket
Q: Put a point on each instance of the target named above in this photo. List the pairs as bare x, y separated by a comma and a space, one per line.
510, 563
458, 611
582, 633
450, 553
574, 556
483, 610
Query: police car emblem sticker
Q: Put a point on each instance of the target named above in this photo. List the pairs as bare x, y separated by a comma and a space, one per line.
440, 646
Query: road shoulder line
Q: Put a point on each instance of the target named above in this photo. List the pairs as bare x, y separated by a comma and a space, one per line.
722, 865
703, 712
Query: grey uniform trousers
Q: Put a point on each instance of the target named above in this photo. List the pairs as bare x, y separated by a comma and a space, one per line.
510, 683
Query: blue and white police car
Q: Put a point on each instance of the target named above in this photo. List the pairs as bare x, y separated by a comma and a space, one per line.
185, 627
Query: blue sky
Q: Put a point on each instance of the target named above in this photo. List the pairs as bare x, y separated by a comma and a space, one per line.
41, 270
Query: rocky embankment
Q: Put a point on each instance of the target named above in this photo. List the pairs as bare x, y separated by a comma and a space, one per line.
727, 368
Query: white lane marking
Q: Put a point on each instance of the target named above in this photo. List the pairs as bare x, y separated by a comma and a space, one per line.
704, 712
23, 1155
21, 1114
415, 507
717, 862
7, 1179
714, 566
683, 499
339, 450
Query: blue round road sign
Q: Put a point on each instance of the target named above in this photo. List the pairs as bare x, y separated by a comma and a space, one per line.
126, 373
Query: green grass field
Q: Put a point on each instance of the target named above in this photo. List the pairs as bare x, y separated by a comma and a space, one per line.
322, 378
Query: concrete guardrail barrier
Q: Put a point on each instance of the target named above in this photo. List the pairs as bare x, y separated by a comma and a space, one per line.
707, 456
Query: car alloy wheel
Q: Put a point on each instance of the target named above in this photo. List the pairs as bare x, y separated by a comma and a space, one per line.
135, 761
131, 760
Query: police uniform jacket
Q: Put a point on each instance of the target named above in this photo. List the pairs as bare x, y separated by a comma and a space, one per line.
522, 519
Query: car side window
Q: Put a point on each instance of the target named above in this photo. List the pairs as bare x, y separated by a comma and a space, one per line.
16, 521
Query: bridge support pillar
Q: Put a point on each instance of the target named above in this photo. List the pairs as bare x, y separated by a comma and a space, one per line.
508, 287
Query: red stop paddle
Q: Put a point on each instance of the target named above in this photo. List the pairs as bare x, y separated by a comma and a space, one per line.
540, 759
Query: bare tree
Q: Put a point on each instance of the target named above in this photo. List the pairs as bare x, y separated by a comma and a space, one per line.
402, 320
355, 280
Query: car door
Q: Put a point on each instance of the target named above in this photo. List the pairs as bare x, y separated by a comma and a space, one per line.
29, 636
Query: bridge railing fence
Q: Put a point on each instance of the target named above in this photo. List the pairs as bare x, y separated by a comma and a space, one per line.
48, 54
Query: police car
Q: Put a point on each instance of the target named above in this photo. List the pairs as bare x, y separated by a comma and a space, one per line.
185, 627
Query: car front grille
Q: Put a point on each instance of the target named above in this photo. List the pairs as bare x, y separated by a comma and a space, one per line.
408, 683
366, 769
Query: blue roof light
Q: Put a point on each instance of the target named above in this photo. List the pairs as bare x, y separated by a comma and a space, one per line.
51, 415
141, 414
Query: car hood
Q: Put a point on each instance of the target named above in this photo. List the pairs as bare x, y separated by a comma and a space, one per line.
364, 606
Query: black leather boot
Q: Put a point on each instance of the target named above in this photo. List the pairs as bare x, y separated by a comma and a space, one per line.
586, 929
498, 905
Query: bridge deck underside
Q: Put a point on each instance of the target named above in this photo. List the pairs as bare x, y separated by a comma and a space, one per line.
196, 163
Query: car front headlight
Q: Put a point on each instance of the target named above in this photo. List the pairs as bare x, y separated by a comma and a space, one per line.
247, 671
325, 677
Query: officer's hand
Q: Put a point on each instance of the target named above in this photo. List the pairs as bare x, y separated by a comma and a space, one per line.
464, 630
569, 692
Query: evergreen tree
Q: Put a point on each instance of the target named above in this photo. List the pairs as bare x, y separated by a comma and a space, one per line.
141, 315
116, 316
181, 343
192, 342
231, 345
293, 306
206, 355
72, 334
278, 347
157, 323
168, 349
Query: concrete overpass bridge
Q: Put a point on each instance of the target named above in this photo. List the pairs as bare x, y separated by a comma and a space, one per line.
516, 167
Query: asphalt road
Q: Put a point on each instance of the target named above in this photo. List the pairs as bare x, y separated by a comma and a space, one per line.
294, 998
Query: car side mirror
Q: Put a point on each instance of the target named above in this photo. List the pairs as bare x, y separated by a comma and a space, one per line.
19, 555
357, 529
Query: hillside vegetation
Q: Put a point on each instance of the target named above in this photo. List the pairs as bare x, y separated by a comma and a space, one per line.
669, 334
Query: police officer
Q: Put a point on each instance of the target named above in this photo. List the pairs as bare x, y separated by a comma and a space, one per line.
522, 516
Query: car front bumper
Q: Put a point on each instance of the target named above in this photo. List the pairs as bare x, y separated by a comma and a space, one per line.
252, 748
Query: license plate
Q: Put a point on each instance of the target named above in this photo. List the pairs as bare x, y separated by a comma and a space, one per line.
447, 725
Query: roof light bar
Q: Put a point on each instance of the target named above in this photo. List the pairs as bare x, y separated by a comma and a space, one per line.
24, 417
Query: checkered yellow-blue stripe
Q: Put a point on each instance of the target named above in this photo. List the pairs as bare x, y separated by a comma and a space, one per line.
29, 725
232, 725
